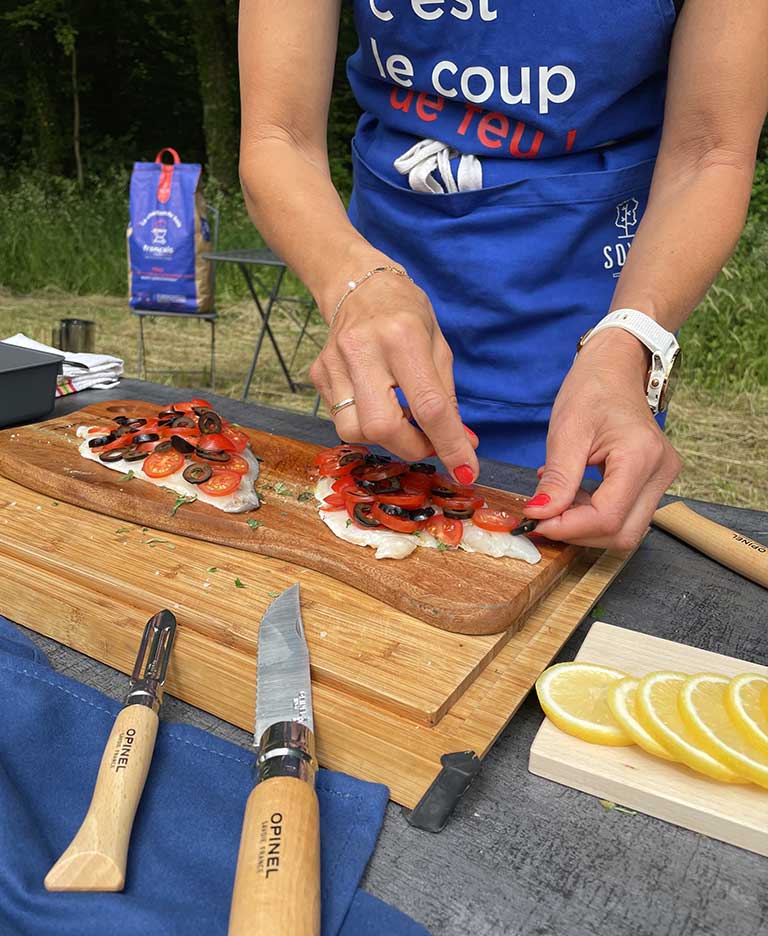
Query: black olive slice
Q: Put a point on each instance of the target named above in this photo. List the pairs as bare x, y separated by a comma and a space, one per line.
363, 516
113, 456
458, 514
182, 421
123, 430
120, 420
132, 454
387, 486
443, 492
145, 437
423, 468
163, 446
165, 422
392, 510
197, 473
135, 423
169, 413
215, 456
373, 461
199, 410
181, 445
209, 423
98, 441
421, 513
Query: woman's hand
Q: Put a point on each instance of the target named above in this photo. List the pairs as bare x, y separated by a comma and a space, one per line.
386, 336
601, 417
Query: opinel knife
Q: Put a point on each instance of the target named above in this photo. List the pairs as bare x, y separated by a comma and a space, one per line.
96, 857
277, 884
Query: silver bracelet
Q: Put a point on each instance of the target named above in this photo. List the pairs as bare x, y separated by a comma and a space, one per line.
352, 285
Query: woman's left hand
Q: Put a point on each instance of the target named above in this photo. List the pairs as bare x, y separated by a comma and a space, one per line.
601, 417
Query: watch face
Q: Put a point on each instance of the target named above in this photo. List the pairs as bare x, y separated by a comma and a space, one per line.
667, 391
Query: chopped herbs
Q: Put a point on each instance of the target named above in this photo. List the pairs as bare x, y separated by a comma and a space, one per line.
182, 499
598, 611
348, 523
123, 530
254, 524
212, 569
145, 529
607, 804
273, 594
305, 496
282, 489
442, 547
238, 583
155, 540
128, 476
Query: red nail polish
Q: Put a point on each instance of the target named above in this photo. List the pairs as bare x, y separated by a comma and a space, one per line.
464, 474
470, 433
539, 500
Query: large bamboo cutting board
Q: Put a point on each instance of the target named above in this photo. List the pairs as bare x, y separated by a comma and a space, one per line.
461, 592
391, 693
627, 775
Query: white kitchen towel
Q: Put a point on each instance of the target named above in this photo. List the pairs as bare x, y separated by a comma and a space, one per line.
80, 371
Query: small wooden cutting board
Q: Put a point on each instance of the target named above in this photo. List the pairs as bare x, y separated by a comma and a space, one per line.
455, 591
629, 776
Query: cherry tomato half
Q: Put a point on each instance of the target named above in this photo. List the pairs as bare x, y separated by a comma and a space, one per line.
162, 464
445, 530
238, 438
381, 472
221, 483
334, 501
215, 442
333, 454
188, 405
459, 502
498, 521
236, 463
400, 499
414, 481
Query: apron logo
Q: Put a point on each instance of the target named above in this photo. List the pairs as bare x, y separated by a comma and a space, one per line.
626, 221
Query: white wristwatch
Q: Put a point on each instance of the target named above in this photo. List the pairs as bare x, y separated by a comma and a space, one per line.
665, 351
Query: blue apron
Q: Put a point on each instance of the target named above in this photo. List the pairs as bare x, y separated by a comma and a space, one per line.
504, 158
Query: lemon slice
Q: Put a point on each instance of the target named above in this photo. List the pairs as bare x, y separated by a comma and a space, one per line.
657, 710
621, 702
702, 707
573, 695
743, 697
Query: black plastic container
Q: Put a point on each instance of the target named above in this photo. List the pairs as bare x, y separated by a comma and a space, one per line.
27, 384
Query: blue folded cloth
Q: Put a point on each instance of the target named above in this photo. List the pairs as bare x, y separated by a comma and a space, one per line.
181, 863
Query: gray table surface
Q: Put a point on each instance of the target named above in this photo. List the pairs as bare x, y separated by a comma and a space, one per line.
523, 855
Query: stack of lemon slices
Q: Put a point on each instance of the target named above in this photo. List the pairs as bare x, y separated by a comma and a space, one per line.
715, 725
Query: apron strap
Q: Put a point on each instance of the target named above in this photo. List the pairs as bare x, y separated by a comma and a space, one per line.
427, 156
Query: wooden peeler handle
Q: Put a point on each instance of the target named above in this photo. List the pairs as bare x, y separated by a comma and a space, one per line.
96, 857
731, 549
277, 884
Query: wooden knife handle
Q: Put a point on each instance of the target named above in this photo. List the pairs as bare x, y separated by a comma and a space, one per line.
731, 549
96, 858
277, 884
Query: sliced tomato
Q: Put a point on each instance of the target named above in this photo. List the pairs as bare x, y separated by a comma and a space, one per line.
342, 484
335, 501
498, 521
236, 463
236, 437
101, 430
188, 405
413, 481
401, 499
221, 483
458, 502
381, 472
337, 451
120, 442
354, 496
338, 467
162, 464
215, 442
445, 530
398, 524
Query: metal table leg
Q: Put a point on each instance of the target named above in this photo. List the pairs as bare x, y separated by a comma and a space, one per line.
213, 354
265, 328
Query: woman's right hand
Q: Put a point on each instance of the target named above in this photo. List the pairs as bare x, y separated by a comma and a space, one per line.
386, 336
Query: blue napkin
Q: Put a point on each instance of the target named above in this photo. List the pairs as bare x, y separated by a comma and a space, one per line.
181, 863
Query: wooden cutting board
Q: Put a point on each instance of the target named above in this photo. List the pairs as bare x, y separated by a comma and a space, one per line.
627, 775
460, 592
391, 694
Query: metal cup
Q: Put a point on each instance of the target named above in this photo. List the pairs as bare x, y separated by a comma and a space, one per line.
74, 335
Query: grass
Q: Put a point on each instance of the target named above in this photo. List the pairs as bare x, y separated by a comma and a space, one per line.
720, 434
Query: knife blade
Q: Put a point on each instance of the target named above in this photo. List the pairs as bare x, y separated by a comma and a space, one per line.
96, 858
277, 883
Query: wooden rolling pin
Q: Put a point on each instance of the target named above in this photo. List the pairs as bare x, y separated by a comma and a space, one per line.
731, 549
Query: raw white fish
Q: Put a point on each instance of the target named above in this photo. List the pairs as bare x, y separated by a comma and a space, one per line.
391, 545
244, 498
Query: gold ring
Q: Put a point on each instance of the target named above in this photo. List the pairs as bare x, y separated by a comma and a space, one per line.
342, 404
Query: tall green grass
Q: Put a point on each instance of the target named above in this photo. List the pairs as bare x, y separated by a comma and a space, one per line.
51, 236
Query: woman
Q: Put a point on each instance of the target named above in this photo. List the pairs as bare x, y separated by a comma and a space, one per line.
508, 157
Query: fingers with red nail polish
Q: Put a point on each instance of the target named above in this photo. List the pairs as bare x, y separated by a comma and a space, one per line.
539, 500
464, 474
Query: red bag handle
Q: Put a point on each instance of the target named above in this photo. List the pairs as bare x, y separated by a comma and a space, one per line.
166, 174
168, 149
